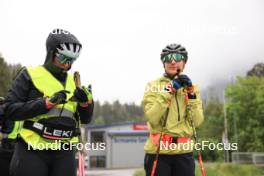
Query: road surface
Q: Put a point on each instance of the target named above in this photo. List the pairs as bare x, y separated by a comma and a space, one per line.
114, 172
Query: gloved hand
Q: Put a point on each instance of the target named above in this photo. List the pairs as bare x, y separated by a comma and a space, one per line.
176, 83
83, 94
182, 81
57, 98
185, 80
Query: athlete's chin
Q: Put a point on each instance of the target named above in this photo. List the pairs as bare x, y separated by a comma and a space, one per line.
172, 71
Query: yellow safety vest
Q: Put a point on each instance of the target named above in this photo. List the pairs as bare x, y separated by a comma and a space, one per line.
47, 84
15, 130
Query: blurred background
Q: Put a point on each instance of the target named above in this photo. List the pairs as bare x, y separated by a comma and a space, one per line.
122, 41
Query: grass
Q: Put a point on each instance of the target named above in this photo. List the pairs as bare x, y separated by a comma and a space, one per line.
139, 173
223, 169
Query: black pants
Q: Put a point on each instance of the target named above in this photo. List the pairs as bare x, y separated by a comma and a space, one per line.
42, 162
171, 165
6, 153
5, 159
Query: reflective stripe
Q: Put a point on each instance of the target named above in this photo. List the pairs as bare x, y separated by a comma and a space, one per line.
57, 112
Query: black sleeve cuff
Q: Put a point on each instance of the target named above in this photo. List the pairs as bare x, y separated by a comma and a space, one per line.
86, 113
191, 95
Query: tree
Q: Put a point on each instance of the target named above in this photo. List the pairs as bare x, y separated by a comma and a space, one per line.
110, 113
212, 128
246, 105
257, 70
214, 119
7, 72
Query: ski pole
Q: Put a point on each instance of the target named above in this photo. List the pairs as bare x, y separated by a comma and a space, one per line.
154, 166
77, 81
188, 108
81, 169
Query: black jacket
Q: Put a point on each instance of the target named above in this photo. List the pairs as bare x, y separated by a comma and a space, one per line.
24, 101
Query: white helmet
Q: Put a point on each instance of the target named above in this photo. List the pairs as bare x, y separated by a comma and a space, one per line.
69, 50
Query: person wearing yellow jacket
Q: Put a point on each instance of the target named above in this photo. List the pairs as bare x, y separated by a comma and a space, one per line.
170, 124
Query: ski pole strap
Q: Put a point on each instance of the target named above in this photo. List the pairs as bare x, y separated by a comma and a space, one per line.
51, 132
168, 139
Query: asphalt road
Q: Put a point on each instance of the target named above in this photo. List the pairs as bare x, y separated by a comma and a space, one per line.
115, 172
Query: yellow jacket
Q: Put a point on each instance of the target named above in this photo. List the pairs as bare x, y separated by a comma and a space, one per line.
155, 103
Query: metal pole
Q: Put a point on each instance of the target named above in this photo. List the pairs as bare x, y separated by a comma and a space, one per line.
235, 131
225, 130
233, 80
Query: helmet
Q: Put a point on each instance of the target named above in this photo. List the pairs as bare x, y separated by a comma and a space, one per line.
69, 49
174, 48
63, 42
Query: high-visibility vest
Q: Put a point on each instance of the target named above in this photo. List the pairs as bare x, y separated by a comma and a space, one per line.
47, 84
13, 134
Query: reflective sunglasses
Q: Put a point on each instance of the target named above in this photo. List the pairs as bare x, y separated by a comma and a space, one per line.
173, 56
65, 59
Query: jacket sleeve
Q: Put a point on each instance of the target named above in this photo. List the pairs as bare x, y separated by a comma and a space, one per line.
86, 113
19, 105
155, 103
196, 108
1, 115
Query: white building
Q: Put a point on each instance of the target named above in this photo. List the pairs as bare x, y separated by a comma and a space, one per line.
124, 145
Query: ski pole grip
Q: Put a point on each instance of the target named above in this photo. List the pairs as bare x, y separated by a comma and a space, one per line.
77, 79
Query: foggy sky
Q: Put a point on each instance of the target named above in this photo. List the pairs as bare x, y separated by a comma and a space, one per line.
122, 40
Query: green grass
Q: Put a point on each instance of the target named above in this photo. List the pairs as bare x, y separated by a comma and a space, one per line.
139, 173
223, 169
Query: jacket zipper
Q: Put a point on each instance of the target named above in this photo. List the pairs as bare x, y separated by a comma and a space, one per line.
179, 116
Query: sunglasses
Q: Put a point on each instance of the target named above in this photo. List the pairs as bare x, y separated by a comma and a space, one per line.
65, 59
173, 56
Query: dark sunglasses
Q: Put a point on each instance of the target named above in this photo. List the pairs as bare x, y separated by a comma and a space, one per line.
173, 56
65, 59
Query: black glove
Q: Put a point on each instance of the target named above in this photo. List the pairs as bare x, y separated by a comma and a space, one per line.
80, 95
185, 80
176, 83
59, 97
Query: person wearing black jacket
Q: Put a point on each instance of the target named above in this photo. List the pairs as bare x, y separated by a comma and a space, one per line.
8, 130
51, 107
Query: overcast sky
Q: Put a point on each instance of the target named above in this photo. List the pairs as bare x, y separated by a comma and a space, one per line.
122, 40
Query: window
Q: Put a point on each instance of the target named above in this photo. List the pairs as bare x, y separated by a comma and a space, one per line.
97, 137
97, 161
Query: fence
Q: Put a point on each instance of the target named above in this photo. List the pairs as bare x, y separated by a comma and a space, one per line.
256, 158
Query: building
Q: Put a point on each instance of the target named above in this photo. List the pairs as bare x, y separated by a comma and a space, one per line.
116, 146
